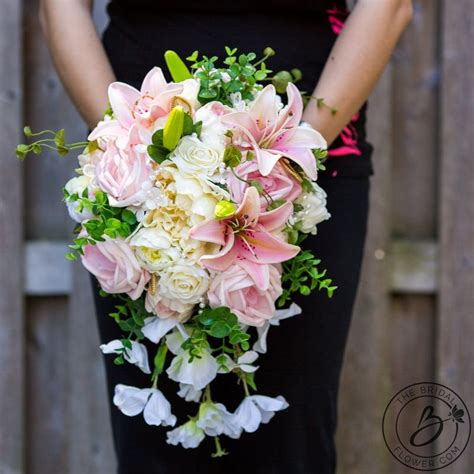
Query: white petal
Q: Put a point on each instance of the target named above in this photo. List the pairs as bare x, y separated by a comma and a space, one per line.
198, 373
158, 410
111, 347
248, 416
269, 403
174, 342
189, 393
248, 358
261, 344
138, 356
130, 400
280, 314
155, 328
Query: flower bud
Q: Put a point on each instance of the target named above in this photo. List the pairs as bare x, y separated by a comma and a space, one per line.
173, 129
224, 209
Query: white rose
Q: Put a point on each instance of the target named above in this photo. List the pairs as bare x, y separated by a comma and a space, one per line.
193, 156
77, 185
314, 210
185, 283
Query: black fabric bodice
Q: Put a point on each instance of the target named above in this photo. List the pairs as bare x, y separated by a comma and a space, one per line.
301, 32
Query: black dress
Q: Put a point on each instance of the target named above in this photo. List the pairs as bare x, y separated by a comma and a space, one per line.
305, 354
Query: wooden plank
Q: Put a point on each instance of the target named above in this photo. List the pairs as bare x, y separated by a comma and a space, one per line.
90, 437
365, 387
46, 385
11, 235
47, 271
415, 164
455, 327
413, 266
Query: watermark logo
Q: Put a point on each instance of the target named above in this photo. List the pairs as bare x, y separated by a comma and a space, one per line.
426, 426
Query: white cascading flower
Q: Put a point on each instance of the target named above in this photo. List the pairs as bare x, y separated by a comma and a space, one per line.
188, 435
137, 355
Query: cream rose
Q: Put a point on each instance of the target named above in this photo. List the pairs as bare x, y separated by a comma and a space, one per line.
192, 156
184, 283
313, 210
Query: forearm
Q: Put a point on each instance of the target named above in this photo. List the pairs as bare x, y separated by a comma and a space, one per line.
356, 62
78, 55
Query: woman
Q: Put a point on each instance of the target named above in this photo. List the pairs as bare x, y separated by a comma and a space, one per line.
341, 58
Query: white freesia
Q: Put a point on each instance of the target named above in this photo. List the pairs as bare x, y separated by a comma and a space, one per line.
314, 210
189, 393
132, 401
192, 156
244, 363
257, 409
198, 373
261, 344
188, 435
214, 419
186, 283
77, 185
137, 355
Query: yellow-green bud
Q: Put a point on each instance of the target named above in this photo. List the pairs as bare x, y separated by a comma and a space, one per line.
173, 129
280, 81
224, 209
178, 69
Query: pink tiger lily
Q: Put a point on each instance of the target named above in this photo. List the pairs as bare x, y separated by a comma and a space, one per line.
132, 107
247, 236
274, 133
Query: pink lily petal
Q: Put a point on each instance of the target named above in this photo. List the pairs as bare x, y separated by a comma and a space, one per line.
292, 113
266, 160
263, 110
303, 157
209, 231
277, 218
249, 209
154, 82
122, 99
223, 259
243, 121
262, 247
307, 138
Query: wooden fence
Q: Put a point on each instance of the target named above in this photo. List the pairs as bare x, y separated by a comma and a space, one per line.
413, 321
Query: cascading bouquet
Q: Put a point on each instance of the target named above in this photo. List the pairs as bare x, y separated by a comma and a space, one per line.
191, 199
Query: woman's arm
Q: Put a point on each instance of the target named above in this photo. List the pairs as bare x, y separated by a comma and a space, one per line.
78, 55
356, 62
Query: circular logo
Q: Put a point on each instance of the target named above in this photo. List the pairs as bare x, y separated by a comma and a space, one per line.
426, 426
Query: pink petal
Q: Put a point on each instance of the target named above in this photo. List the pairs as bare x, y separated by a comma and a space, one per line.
303, 157
266, 160
243, 121
154, 82
209, 231
264, 110
290, 116
249, 209
223, 259
306, 137
122, 99
260, 274
263, 247
277, 218
111, 128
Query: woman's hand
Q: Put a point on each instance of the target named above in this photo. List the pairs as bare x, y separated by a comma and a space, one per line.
356, 62
78, 55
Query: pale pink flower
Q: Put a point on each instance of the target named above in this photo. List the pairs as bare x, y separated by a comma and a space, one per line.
167, 308
122, 175
246, 237
242, 294
142, 108
115, 267
273, 133
278, 184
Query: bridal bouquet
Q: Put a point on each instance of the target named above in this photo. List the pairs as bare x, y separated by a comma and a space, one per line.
191, 199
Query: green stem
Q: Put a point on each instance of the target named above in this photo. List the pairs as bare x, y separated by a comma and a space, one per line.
219, 451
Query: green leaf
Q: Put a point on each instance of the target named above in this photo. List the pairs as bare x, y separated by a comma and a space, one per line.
157, 137
21, 151
160, 358
157, 153
177, 68
128, 217
232, 156
219, 329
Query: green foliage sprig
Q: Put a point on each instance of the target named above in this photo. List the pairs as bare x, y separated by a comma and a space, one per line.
240, 73
301, 275
53, 141
109, 221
